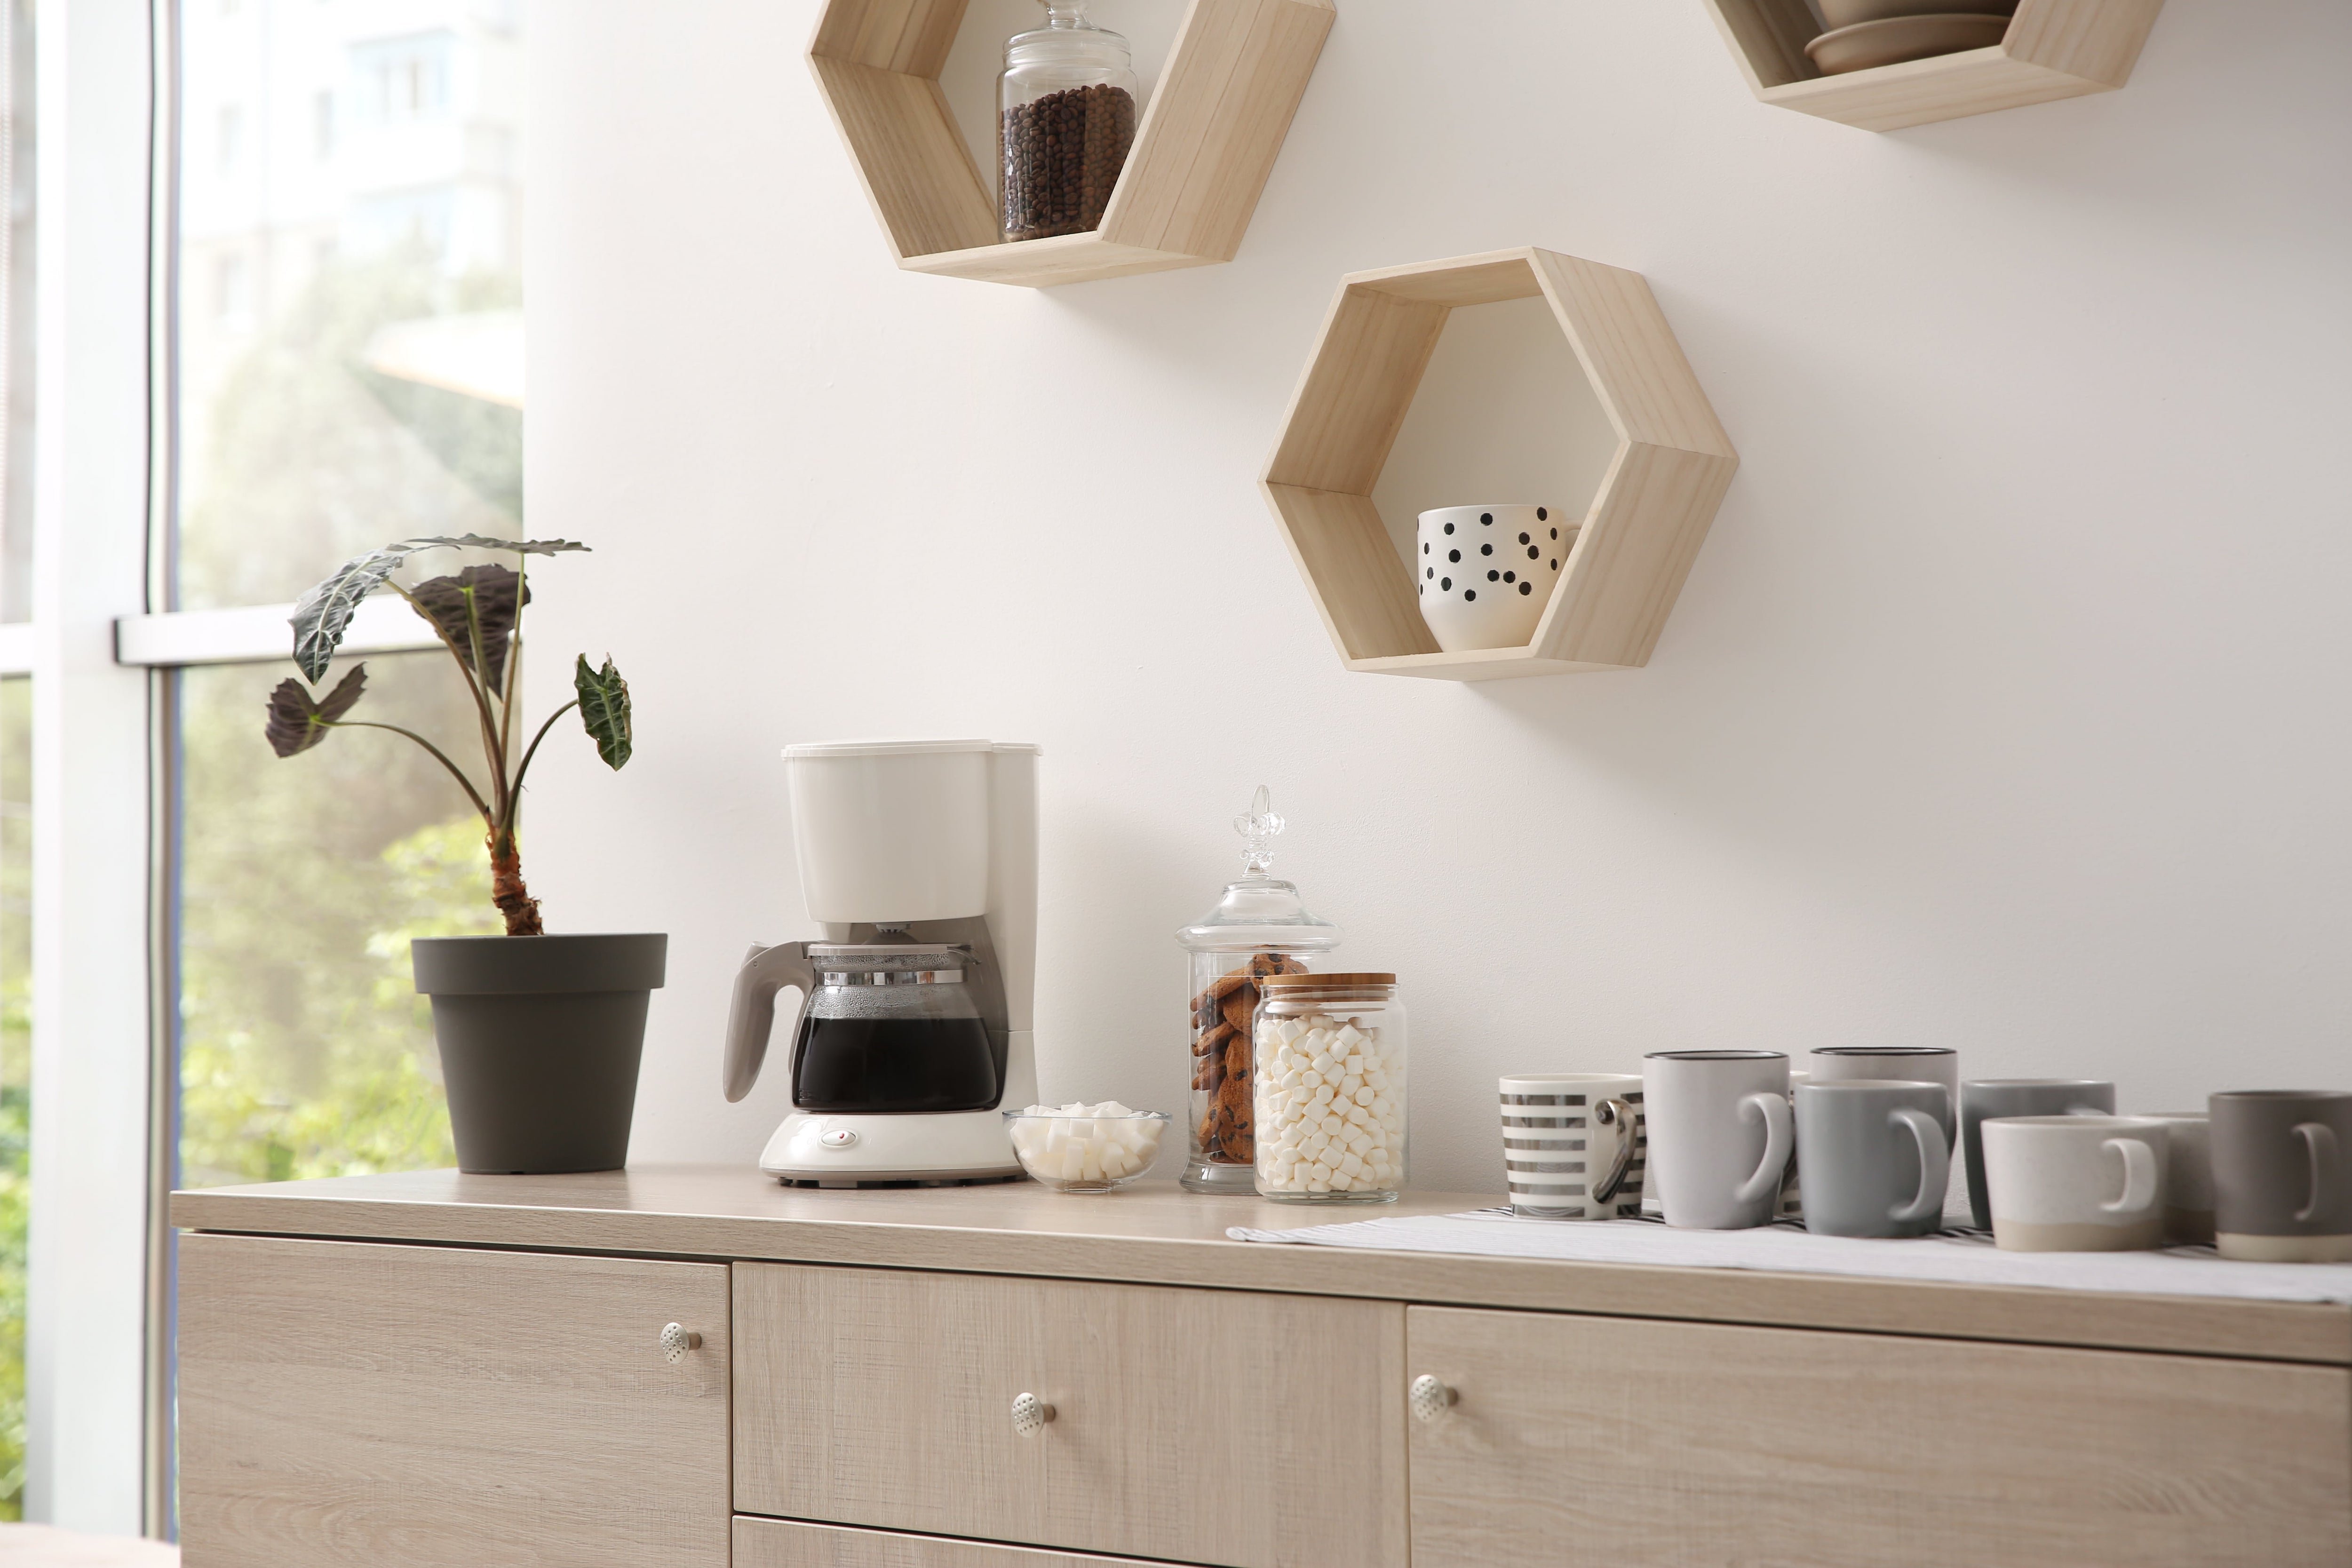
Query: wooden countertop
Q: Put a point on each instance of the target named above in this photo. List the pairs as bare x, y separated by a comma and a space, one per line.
1154, 1233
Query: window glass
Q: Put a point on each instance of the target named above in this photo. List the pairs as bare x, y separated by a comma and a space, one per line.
304, 1050
16, 1072
349, 324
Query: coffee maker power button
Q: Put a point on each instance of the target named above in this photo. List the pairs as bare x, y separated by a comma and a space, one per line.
839, 1138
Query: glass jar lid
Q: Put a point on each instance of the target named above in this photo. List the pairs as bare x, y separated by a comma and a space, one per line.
1259, 911
1068, 38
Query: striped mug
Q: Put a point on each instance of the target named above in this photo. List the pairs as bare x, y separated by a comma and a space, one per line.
1574, 1144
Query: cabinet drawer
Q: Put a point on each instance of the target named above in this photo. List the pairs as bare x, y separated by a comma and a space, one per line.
784, 1544
350, 1405
1202, 1426
1622, 1441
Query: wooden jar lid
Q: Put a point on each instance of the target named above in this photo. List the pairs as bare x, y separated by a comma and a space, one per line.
1322, 981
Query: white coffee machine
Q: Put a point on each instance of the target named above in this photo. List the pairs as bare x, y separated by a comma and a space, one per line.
919, 859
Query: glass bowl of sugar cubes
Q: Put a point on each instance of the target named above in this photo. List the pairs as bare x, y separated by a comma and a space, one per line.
1086, 1148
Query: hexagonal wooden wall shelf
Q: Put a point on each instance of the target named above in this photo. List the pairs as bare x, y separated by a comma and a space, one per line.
2053, 48
1672, 464
1206, 144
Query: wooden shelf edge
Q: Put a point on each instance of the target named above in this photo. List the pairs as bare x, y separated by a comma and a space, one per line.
1930, 92
2053, 49
1479, 664
1049, 263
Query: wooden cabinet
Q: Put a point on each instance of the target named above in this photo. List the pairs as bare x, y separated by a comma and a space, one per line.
786, 1544
1258, 1431
498, 1398
348, 1405
1627, 1441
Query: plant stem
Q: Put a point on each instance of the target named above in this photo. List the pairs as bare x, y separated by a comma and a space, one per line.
462, 781
533, 752
507, 889
497, 813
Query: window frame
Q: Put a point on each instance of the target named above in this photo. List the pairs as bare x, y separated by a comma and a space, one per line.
104, 649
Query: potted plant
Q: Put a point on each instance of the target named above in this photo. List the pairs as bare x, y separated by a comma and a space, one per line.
540, 1035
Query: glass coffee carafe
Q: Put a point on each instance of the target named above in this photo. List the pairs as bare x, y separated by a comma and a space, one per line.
893, 1027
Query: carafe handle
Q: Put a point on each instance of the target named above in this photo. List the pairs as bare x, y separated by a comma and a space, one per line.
752, 1017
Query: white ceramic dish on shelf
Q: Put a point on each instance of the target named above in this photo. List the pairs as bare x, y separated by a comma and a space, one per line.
1837, 13
1868, 45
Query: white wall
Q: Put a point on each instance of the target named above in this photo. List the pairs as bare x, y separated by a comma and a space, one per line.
2005, 708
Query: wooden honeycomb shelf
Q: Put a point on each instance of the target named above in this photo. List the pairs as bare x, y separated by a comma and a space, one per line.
2053, 49
1206, 143
1672, 464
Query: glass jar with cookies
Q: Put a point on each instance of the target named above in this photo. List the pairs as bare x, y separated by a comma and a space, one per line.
1259, 928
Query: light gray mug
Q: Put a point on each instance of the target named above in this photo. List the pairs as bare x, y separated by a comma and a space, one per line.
1719, 1131
1874, 1156
1984, 1098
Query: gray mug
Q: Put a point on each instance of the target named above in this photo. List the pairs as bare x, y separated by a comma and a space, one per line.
1876, 1156
1981, 1098
2282, 1175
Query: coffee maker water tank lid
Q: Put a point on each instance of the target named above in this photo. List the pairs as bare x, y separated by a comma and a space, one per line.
899, 748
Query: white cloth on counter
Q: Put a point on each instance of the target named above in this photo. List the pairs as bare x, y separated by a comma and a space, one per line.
1952, 1257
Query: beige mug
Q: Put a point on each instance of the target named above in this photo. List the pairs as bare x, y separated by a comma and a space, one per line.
2076, 1184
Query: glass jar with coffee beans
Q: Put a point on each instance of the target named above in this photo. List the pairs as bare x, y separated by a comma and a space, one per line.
1259, 929
1066, 122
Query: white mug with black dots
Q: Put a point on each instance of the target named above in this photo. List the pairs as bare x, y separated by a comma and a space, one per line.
1487, 571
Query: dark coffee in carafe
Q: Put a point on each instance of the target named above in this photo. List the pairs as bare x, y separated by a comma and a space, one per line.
886, 1064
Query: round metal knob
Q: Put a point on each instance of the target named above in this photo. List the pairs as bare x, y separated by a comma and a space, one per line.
1428, 1398
1030, 1414
675, 1341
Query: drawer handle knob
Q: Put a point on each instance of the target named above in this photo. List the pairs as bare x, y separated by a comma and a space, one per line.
1428, 1398
676, 1341
1030, 1414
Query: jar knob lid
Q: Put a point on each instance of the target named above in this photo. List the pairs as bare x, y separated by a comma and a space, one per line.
1258, 826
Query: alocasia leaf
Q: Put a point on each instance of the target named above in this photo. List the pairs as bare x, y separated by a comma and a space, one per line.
297, 723
325, 612
492, 592
519, 546
605, 709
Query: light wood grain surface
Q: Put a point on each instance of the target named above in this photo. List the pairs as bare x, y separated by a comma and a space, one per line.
1203, 150
1189, 1425
1643, 529
1634, 1443
788, 1543
1155, 1233
2053, 49
345, 1405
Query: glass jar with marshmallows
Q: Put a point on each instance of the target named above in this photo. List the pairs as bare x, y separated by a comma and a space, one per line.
1331, 1088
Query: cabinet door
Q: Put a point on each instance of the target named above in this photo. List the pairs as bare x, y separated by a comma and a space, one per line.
785, 1543
1208, 1426
348, 1405
1620, 1441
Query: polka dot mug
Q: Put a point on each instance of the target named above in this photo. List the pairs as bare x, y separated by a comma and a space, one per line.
1485, 573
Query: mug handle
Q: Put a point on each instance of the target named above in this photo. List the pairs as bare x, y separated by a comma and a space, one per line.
1778, 1142
2139, 1177
1935, 1165
1615, 1113
2319, 1140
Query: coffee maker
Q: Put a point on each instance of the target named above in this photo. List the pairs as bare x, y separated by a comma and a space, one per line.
919, 859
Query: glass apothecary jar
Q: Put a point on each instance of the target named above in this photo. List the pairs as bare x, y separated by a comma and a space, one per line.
1331, 1088
1259, 930
1066, 122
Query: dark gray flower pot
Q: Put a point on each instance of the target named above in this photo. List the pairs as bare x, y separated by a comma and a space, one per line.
540, 1037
